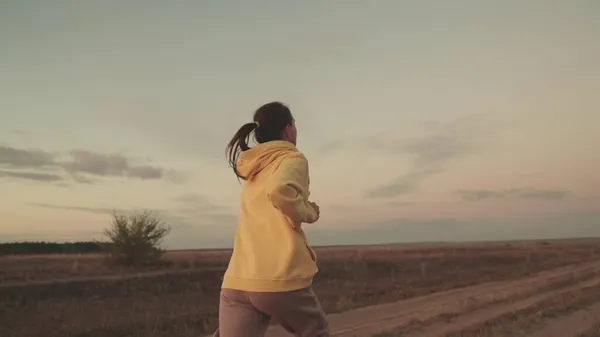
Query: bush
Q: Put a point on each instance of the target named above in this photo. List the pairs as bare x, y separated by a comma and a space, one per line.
136, 238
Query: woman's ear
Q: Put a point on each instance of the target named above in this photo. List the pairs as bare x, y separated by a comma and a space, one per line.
289, 133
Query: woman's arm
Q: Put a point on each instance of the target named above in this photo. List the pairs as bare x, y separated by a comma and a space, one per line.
287, 187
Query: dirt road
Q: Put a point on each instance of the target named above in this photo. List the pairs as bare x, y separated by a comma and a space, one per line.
467, 309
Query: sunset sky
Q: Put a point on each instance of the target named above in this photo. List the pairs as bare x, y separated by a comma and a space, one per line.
421, 120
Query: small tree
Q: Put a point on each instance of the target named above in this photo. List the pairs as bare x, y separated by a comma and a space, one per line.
136, 238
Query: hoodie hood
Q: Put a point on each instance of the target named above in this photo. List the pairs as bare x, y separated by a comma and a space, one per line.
254, 160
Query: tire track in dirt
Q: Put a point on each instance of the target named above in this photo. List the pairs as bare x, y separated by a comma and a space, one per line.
593, 332
476, 317
368, 321
574, 324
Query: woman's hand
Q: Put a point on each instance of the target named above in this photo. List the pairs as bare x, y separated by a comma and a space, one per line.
316, 208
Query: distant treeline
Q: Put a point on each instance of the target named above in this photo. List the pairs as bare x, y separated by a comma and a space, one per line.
41, 247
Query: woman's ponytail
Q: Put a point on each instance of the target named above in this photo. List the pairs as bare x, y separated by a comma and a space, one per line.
239, 144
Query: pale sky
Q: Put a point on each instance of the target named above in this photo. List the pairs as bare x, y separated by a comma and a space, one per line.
421, 120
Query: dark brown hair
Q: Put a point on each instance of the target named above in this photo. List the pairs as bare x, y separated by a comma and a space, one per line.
272, 118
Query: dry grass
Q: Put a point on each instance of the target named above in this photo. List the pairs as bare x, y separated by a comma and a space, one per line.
57, 267
181, 298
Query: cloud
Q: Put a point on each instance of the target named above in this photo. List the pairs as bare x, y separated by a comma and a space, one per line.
193, 207
405, 184
81, 179
189, 206
517, 193
400, 203
175, 176
99, 164
191, 199
96, 163
189, 209
145, 172
430, 153
341, 208
21, 158
79, 165
95, 210
44, 177
555, 226
198, 220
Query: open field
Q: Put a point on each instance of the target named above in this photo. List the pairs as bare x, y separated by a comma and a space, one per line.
85, 296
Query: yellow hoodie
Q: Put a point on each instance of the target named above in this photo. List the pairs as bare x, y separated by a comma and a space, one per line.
270, 251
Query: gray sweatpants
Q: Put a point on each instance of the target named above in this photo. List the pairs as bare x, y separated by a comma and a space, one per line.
247, 314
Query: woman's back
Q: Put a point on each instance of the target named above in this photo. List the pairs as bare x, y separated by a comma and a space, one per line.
270, 249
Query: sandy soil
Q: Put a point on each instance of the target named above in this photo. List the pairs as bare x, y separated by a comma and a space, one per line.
477, 317
468, 306
574, 324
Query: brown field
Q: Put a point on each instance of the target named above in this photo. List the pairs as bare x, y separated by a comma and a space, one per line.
85, 296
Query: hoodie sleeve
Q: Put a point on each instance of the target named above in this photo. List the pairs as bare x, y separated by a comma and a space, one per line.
288, 190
